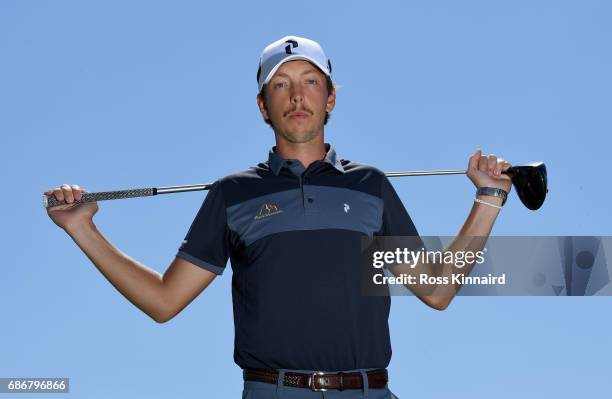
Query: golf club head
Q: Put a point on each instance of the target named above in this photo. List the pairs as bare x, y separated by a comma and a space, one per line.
530, 183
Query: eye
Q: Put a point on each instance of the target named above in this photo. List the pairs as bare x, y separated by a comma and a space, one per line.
312, 81
279, 85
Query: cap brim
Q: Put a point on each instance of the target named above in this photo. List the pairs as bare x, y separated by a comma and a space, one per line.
293, 58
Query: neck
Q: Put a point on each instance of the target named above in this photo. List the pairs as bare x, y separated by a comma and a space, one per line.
306, 153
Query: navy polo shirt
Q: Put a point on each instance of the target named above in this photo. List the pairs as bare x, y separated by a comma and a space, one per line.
293, 236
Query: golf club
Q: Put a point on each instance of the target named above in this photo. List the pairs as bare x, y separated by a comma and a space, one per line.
529, 181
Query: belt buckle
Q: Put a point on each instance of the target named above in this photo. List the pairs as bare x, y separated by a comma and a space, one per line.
311, 383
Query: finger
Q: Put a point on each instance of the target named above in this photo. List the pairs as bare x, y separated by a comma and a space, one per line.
76, 190
491, 163
473, 162
67, 190
483, 164
506, 166
59, 194
498, 166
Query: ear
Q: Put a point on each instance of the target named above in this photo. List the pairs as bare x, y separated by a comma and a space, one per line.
331, 101
262, 107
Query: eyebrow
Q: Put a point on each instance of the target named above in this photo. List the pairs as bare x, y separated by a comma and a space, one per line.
303, 73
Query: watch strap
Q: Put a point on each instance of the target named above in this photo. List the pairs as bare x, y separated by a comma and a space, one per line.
493, 191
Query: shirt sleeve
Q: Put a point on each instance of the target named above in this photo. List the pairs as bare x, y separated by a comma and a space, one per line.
207, 243
396, 221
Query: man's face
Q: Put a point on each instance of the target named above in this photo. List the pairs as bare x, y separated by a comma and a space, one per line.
297, 101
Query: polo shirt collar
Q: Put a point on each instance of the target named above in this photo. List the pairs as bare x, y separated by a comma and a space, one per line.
276, 162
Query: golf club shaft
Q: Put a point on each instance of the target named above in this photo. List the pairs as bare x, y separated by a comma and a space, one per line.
426, 173
50, 200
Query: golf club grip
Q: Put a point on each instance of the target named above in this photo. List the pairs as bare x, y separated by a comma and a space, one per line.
51, 201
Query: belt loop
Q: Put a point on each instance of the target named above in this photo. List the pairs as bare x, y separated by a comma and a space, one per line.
364, 376
280, 383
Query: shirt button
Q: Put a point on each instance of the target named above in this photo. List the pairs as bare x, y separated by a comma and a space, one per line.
310, 200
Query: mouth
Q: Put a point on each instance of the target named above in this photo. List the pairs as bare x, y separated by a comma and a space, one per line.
298, 116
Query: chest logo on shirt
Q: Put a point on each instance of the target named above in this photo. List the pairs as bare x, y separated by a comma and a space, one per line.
346, 208
267, 210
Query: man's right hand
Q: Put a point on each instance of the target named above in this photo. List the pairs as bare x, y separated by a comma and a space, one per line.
160, 297
71, 215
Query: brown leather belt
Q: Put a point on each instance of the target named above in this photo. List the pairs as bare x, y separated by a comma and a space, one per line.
320, 381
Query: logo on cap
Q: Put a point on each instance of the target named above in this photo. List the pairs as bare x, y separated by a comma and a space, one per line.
288, 48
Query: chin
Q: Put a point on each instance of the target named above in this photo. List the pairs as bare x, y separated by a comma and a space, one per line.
299, 137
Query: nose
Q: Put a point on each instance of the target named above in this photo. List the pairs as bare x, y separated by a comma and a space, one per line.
297, 95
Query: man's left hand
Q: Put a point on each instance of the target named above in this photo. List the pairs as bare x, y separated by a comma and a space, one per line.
485, 171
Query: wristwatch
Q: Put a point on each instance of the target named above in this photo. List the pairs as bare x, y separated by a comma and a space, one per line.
495, 192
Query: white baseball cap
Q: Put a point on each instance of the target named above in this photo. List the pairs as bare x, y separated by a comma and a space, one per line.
290, 48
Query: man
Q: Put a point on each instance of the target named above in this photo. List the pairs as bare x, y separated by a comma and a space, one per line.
292, 228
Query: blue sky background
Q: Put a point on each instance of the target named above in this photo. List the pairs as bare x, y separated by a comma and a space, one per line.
113, 95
